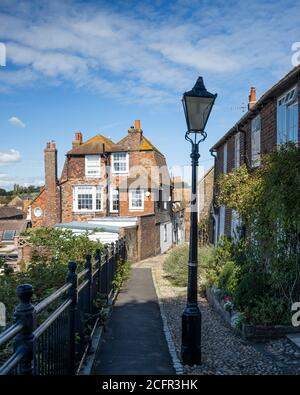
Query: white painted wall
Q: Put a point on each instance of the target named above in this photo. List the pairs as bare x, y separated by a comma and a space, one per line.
165, 244
102, 237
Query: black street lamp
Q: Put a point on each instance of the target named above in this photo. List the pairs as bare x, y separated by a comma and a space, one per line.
197, 105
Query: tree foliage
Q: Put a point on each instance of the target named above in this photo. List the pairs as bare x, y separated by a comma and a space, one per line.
52, 250
268, 202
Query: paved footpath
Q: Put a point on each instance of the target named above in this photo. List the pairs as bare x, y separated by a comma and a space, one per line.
134, 341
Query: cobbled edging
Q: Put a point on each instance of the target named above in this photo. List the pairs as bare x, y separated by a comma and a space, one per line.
179, 368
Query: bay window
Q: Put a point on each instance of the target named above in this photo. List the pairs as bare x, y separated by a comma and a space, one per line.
88, 198
287, 117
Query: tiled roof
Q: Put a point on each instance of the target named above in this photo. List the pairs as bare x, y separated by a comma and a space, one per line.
282, 84
145, 145
95, 146
92, 146
7, 212
19, 225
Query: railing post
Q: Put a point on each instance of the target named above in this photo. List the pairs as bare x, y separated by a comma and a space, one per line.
98, 266
112, 262
106, 265
89, 277
25, 314
117, 253
73, 295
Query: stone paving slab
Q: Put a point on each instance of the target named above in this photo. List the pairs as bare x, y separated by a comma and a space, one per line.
295, 339
134, 342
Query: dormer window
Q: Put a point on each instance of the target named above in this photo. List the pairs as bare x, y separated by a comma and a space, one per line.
92, 166
120, 162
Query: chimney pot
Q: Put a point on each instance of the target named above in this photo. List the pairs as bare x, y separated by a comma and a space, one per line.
48, 146
53, 146
252, 97
137, 124
78, 137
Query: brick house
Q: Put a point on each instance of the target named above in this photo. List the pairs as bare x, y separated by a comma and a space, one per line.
269, 121
103, 179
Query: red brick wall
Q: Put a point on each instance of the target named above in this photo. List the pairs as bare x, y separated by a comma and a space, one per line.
268, 115
148, 237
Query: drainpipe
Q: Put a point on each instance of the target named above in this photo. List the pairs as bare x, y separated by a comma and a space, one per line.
107, 172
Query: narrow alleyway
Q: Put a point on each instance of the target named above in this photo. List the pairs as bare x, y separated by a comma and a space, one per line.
134, 341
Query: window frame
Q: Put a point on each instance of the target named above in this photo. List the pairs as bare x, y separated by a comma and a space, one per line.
113, 160
98, 174
13, 235
255, 156
142, 199
94, 189
291, 102
112, 189
165, 233
237, 152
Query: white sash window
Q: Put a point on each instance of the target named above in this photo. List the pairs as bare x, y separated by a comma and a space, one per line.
114, 200
237, 150
120, 162
255, 141
136, 199
92, 166
287, 117
88, 198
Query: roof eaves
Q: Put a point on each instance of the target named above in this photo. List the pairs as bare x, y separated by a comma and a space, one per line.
268, 95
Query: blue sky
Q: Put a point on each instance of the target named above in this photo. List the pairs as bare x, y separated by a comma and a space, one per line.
94, 67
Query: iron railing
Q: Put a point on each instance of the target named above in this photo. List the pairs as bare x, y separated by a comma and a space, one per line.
52, 337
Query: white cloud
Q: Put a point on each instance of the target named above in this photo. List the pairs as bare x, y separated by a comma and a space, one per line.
153, 57
10, 156
17, 122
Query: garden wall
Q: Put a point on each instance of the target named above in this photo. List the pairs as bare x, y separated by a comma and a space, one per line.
247, 331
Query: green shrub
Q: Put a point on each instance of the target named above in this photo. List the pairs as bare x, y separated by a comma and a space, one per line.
48, 269
251, 287
268, 311
229, 277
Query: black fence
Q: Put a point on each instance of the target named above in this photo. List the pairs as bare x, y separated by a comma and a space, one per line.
53, 337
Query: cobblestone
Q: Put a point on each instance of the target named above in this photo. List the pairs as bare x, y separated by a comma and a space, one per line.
223, 352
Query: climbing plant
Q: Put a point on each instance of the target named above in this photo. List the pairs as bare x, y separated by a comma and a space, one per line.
267, 200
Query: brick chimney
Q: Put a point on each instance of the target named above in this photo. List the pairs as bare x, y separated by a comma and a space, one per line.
252, 97
78, 139
135, 135
52, 210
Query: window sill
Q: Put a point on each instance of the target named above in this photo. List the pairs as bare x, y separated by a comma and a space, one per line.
136, 209
87, 211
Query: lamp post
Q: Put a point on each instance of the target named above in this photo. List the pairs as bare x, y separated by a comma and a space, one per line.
197, 105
